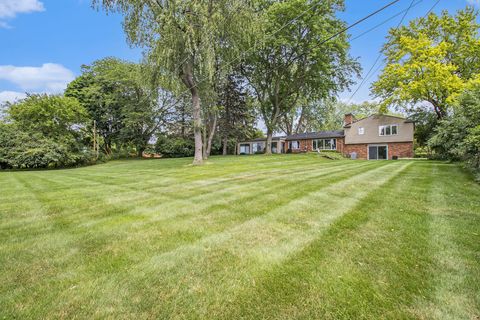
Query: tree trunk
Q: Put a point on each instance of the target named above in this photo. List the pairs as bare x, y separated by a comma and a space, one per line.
204, 146
197, 127
439, 111
224, 144
268, 146
211, 135
187, 79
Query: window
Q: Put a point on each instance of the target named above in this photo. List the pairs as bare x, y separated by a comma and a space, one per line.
388, 130
325, 144
294, 145
258, 147
274, 147
377, 152
244, 149
361, 130
394, 129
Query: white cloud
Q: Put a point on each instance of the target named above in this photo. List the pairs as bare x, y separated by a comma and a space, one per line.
11, 96
49, 78
10, 8
474, 2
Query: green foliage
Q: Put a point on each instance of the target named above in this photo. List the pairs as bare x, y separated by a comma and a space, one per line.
124, 105
237, 115
176, 32
174, 147
293, 65
51, 116
425, 123
458, 137
44, 132
433, 59
188, 42
326, 114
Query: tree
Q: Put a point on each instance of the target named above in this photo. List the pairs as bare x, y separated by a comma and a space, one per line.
458, 137
185, 39
294, 64
425, 120
51, 116
324, 115
433, 60
44, 131
120, 97
237, 116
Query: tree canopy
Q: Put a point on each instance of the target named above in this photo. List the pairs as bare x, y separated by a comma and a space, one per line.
126, 108
186, 40
433, 60
294, 64
44, 131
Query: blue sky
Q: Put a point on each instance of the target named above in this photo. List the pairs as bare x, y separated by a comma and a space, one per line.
46, 41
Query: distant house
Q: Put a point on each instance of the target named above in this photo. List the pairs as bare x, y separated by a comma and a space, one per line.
375, 137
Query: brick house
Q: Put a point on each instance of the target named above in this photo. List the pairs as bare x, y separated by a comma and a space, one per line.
374, 137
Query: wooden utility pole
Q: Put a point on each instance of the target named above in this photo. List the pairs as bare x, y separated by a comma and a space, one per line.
95, 140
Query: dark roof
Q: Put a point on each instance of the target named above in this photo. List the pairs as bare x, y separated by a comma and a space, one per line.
317, 135
264, 139
307, 135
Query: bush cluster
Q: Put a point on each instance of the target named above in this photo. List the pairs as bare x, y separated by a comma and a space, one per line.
457, 137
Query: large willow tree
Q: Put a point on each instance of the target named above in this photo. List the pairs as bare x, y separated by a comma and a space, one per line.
186, 40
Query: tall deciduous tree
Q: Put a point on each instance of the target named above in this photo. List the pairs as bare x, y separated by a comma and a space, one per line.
185, 39
127, 108
433, 59
294, 62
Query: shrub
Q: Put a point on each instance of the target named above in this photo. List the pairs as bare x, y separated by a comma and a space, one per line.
44, 132
331, 154
458, 137
23, 150
174, 147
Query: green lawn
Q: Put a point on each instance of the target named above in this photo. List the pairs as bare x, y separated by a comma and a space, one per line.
252, 237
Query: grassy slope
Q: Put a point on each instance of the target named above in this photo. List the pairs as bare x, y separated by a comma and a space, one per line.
275, 237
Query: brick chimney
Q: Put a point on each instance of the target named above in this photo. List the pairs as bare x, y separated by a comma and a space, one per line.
348, 119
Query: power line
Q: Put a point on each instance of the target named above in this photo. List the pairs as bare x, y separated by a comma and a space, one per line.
380, 54
359, 21
297, 17
384, 21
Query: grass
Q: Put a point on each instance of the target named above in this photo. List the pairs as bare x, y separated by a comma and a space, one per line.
252, 237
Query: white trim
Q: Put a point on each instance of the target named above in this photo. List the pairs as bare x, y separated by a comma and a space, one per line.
385, 126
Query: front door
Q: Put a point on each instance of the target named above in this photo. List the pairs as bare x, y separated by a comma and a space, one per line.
377, 152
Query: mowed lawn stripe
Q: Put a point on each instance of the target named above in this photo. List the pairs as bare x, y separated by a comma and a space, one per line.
327, 239
157, 203
362, 267
96, 246
90, 242
174, 233
195, 276
455, 237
